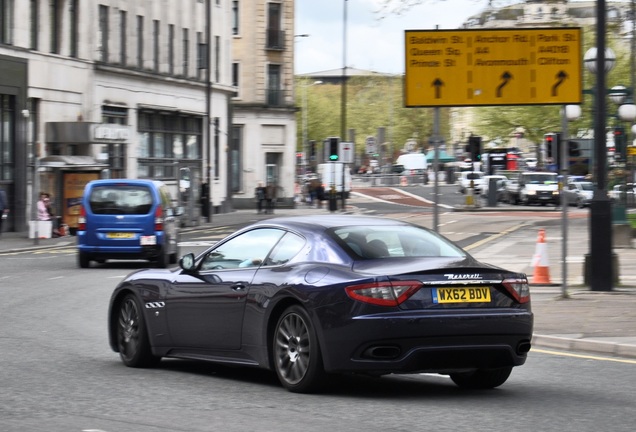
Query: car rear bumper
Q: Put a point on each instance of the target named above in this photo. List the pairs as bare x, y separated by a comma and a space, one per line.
428, 343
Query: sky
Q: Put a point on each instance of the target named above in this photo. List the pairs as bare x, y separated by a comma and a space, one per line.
372, 43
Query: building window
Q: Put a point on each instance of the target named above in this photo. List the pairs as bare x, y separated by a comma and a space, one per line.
186, 47
235, 17
217, 146
201, 55
236, 158
74, 22
55, 25
140, 41
116, 152
165, 139
155, 44
6, 21
235, 74
35, 24
103, 33
7, 137
171, 49
275, 36
274, 92
217, 58
123, 52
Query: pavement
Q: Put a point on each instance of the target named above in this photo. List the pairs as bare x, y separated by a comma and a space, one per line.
568, 317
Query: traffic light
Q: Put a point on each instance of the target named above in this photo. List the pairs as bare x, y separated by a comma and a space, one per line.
312, 149
548, 139
553, 147
573, 149
474, 148
332, 148
620, 142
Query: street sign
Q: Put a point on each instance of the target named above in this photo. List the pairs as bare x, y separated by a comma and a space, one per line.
631, 151
371, 146
493, 67
346, 152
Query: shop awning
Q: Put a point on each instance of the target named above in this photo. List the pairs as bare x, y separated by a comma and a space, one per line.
443, 157
71, 162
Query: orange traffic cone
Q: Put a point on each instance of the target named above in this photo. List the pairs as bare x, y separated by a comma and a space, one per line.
540, 261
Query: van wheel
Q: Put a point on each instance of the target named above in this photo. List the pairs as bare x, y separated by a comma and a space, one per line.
162, 259
83, 260
173, 258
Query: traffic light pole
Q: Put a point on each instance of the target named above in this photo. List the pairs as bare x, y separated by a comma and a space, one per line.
564, 202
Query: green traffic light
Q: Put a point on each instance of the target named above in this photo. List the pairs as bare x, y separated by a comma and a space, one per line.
333, 157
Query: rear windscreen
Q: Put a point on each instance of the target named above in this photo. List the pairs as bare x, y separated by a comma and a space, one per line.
120, 199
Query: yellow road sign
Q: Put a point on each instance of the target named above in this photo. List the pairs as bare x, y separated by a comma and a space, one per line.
493, 67
631, 151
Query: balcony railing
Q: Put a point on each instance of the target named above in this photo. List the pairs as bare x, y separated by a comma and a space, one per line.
275, 97
275, 39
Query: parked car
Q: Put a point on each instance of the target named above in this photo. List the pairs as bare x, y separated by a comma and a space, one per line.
511, 191
127, 219
309, 296
539, 187
471, 179
579, 193
531, 163
623, 191
330, 175
500, 182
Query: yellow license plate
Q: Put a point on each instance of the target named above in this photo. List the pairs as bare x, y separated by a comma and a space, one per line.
461, 295
120, 235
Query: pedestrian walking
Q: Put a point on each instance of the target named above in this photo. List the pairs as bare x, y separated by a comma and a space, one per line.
270, 197
259, 195
4, 208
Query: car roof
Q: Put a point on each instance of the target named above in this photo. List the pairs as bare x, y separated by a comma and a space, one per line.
126, 181
330, 221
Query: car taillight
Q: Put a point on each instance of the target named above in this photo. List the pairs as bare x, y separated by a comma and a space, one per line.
383, 293
81, 219
159, 219
519, 289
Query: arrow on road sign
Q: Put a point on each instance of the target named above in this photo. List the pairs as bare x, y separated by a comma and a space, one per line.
505, 77
438, 83
561, 76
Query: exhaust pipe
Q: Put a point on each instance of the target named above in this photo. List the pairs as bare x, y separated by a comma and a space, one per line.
382, 352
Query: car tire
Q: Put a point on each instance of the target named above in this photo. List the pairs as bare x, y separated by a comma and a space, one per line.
162, 258
132, 335
83, 260
482, 378
172, 259
296, 353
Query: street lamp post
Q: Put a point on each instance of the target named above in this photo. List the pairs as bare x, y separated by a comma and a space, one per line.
599, 261
305, 117
600, 257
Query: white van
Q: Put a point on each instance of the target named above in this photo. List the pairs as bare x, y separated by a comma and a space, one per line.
331, 173
413, 163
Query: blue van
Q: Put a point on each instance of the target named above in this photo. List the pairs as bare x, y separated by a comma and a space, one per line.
127, 219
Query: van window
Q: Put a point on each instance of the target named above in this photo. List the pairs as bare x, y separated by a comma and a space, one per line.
123, 199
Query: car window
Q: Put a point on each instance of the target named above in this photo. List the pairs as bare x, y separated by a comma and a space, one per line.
245, 250
286, 249
393, 242
120, 199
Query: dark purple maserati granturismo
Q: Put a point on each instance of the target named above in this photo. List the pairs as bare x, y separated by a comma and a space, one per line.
313, 296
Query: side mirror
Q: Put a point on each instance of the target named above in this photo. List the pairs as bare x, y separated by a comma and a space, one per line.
187, 262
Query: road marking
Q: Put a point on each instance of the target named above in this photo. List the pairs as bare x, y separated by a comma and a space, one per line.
496, 236
584, 356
